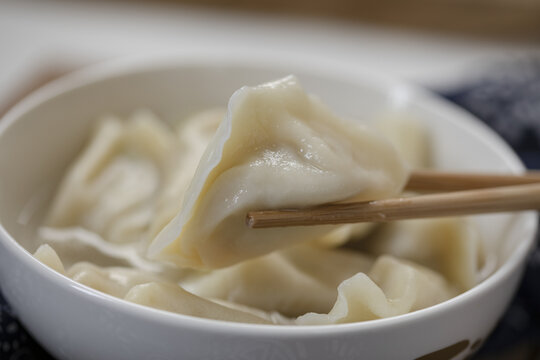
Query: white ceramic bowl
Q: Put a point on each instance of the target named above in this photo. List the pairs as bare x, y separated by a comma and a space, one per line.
43, 133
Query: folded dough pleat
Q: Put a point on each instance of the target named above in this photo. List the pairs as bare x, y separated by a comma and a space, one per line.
49, 257
146, 289
292, 281
110, 189
392, 287
115, 281
173, 298
450, 246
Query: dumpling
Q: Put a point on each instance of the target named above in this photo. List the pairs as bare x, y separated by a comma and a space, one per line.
173, 298
142, 182
392, 287
130, 179
450, 246
115, 281
49, 257
110, 190
277, 147
410, 137
412, 141
389, 287
194, 134
145, 289
292, 282
75, 244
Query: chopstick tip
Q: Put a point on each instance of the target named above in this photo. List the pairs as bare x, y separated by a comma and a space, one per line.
250, 220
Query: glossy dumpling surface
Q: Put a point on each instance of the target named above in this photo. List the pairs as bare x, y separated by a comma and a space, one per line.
277, 147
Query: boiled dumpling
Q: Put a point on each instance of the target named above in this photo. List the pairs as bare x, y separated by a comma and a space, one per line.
193, 136
142, 181
110, 190
411, 139
115, 281
277, 147
130, 179
146, 289
173, 298
292, 282
392, 287
49, 257
409, 136
450, 246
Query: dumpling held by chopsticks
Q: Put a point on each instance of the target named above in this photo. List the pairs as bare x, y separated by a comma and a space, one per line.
277, 147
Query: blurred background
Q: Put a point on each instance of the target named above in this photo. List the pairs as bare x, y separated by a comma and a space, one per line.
436, 43
482, 54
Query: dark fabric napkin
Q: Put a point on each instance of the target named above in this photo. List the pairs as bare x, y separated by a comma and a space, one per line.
509, 102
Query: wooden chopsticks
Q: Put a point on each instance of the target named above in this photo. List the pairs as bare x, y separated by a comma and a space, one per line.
432, 180
490, 194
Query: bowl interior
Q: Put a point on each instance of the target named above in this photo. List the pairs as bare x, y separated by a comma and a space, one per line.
52, 127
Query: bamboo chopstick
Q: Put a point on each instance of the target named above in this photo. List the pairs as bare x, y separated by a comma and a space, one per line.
433, 180
491, 200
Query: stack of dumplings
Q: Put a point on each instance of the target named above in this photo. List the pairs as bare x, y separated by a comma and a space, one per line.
155, 214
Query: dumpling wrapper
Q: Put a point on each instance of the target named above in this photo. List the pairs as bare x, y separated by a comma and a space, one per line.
173, 298
110, 189
129, 181
449, 246
46, 254
410, 136
292, 282
115, 281
277, 147
193, 136
392, 287
147, 289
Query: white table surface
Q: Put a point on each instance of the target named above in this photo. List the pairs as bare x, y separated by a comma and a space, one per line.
51, 31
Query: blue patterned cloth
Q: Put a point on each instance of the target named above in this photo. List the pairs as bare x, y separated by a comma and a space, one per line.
509, 102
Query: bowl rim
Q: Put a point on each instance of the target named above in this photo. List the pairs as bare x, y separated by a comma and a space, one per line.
135, 65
